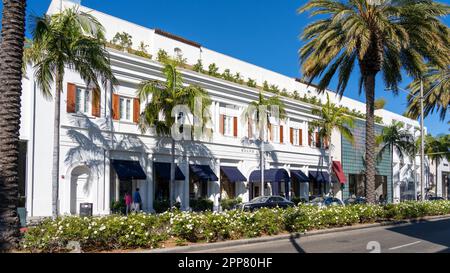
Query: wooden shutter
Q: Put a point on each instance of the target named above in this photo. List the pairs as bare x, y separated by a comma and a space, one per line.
292, 135
71, 93
269, 126
235, 126
300, 137
116, 107
317, 140
96, 103
136, 110
326, 143
221, 124
281, 134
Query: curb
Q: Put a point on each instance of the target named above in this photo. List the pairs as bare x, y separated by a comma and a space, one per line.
208, 246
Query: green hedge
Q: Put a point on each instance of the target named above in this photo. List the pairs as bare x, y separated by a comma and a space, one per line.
152, 231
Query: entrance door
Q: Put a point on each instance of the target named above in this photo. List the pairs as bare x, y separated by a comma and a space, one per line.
80, 189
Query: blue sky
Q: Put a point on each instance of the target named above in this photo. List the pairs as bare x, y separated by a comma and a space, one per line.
262, 32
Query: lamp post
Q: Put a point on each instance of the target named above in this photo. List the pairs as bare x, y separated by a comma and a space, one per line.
422, 97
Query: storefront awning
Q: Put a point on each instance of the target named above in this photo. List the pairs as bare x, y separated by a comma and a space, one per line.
162, 170
299, 176
339, 172
233, 174
271, 175
127, 170
319, 177
203, 173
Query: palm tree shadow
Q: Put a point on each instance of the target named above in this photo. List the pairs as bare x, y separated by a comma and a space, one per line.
295, 244
91, 142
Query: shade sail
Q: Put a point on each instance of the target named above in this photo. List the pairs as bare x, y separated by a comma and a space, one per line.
319, 177
162, 170
299, 176
203, 173
127, 170
271, 175
339, 172
233, 174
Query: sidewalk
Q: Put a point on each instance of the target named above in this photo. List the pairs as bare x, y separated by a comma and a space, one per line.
208, 246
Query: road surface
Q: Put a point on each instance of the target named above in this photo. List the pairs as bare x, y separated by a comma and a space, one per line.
432, 236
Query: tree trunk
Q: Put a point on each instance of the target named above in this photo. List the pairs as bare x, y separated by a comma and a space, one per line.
56, 144
369, 86
172, 176
11, 54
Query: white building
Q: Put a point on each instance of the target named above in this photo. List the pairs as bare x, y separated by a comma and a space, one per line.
96, 146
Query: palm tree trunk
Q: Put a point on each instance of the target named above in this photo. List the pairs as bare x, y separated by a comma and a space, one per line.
56, 143
369, 86
11, 54
262, 166
172, 175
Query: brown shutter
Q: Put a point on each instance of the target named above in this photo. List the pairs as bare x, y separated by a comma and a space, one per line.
235, 125
300, 137
269, 126
309, 139
221, 124
292, 135
317, 140
326, 143
281, 134
71, 93
136, 110
116, 107
96, 103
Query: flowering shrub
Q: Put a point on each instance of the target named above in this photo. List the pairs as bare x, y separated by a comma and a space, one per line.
151, 231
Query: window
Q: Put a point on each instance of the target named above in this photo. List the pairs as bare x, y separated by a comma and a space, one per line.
228, 126
83, 101
125, 109
296, 137
276, 133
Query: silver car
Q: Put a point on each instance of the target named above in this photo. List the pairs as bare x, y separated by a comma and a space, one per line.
326, 202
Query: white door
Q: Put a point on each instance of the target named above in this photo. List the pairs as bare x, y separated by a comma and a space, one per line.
80, 189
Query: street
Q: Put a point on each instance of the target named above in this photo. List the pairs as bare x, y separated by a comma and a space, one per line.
425, 237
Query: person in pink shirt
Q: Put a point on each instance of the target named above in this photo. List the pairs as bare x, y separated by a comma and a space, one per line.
128, 202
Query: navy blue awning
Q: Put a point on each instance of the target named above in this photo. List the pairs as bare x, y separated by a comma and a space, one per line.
162, 170
271, 175
127, 170
300, 176
319, 177
203, 173
233, 174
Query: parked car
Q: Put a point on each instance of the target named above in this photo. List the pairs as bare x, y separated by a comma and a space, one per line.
355, 201
436, 198
326, 202
267, 202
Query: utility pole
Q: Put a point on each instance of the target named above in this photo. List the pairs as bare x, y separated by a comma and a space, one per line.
422, 143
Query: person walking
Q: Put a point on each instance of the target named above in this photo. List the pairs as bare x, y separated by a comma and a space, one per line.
128, 202
137, 200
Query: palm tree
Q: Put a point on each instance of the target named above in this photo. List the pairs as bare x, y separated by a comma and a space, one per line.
331, 117
437, 80
382, 36
258, 113
75, 40
11, 54
437, 148
395, 138
162, 98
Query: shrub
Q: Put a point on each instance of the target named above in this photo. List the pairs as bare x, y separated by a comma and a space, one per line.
251, 83
162, 56
201, 204
150, 231
228, 204
213, 70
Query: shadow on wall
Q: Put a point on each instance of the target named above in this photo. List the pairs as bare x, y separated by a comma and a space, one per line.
92, 142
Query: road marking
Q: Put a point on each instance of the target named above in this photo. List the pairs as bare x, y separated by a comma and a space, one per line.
411, 244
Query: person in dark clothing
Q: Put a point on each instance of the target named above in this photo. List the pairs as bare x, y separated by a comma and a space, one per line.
137, 200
